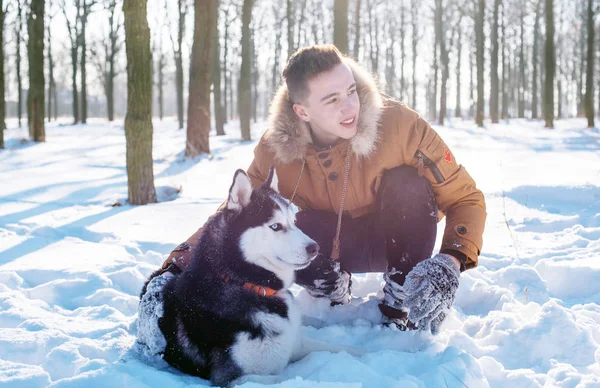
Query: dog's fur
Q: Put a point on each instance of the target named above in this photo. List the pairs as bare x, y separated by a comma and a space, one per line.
219, 330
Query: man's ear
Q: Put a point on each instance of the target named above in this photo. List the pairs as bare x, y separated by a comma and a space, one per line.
301, 112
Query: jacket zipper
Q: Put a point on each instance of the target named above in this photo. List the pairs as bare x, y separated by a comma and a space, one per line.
425, 161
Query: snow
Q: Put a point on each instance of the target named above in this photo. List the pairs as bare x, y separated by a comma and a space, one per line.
72, 264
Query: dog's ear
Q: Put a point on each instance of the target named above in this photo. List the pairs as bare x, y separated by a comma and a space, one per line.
240, 191
272, 180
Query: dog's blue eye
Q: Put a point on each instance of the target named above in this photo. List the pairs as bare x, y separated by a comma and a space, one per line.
276, 227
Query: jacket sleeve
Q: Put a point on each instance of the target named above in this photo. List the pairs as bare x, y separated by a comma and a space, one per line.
257, 172
457, 196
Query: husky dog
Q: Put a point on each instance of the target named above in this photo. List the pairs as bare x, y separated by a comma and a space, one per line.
229, 313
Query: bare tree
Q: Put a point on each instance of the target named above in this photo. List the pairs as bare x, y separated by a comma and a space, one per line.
105, 56
356, 47
18, 40
2, 96
182, 7
244, 93
458, 109
444, 57
416, 37
340, 25
480, 38
226, 79
522, 80
550, 65
73, 30
216, 78
37, 82
589, 76
51, 82
534, 80
402, 28
494, 92
289, 9
84, 12
198, 124
138, 120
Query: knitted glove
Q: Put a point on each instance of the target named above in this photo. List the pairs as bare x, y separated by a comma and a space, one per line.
325, 278
430, 288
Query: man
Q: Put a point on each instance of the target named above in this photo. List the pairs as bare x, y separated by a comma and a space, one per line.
371, 180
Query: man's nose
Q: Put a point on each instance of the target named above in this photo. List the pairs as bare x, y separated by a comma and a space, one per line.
348, 105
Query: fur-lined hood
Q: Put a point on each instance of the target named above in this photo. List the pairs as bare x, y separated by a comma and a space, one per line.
288, 137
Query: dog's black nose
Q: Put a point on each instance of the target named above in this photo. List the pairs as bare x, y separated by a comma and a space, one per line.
312, 249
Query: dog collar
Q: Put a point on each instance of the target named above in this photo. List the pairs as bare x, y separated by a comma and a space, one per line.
259, 290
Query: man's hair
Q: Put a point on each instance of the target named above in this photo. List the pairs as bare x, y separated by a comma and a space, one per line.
307, 63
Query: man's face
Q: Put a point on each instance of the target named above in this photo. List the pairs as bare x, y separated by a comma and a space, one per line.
332, 107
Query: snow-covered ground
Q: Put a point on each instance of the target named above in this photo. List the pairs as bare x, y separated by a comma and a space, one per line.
72, 265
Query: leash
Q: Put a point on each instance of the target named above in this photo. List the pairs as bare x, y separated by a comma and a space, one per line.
335, 253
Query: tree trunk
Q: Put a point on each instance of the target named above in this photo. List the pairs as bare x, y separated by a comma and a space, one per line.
113, 37
138, 120
589, 76
340, 25
83, 63
198, 124
75, 92
494, 93
390, 62
18, 39
480, 42
226, 80
550, 65
441, 40
472, 66
216, 76
536, 39
402, 50
161, 85
415, 41
436, 66
503, 86
244, 92
356, 49
290, 26
522, 80
582, 40
458, 112
2, 96
50, 71
179, 61
37, 82
275, 78
254, 74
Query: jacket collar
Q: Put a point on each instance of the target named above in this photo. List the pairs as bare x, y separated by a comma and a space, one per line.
289, 138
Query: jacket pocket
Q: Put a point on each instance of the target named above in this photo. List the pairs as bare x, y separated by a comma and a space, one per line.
424, 161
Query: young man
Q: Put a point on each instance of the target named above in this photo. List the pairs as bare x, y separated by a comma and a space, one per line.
371, 180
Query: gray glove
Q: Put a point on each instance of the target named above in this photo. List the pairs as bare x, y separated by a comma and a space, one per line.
430, 288
325, 278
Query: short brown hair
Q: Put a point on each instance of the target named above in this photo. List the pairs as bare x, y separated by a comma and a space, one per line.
306, 63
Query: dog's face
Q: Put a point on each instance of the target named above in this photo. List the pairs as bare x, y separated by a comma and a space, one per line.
268, 236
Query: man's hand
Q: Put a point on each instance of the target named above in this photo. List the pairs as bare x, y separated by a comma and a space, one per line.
430, 288
324, 278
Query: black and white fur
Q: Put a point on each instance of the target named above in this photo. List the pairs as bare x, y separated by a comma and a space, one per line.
221, 331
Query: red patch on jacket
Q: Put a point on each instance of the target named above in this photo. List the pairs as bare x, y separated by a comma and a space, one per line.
447, 155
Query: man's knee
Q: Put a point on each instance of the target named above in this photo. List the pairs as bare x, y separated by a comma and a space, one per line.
402, 186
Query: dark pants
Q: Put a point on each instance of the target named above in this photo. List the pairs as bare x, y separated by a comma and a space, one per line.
398, 234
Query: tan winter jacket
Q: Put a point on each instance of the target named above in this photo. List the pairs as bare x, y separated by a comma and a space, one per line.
389, 135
